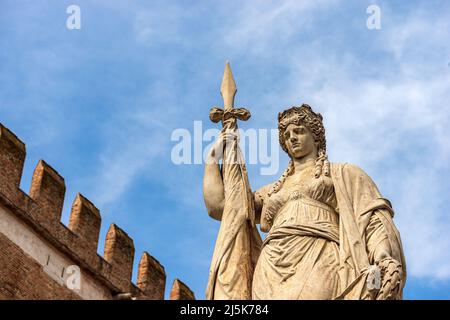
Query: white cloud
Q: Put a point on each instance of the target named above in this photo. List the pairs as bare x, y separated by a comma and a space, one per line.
257, 27
134, 142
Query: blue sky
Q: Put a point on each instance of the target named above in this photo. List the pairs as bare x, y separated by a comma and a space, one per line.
100, 104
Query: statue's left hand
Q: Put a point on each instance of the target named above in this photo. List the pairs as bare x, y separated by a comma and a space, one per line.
391, 279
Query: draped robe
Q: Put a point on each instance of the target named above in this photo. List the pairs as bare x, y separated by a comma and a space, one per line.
359, 203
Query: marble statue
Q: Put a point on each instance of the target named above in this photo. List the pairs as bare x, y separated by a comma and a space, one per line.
330, 233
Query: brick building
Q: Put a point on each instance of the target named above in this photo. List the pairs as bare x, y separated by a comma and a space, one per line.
41, 258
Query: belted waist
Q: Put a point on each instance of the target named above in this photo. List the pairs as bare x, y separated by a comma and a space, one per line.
321, 229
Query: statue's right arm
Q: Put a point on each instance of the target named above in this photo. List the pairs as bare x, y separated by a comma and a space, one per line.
213, 190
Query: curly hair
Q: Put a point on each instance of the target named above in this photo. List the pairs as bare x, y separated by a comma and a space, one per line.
313, 121
302, 115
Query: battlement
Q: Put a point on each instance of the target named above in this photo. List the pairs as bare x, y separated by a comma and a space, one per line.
40, 212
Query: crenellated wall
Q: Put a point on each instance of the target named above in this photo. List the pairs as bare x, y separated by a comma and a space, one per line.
32, 237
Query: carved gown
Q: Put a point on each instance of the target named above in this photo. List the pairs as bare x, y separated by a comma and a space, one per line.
300, 255
322, 237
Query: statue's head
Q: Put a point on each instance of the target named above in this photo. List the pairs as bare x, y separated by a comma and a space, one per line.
307, 126
304, 123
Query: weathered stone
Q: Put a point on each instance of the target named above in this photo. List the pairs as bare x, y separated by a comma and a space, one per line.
330, 231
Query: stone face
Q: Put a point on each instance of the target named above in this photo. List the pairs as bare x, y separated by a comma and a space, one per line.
40, 258
180, 291
331, 233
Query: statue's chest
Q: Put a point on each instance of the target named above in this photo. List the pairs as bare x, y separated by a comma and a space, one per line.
319, 189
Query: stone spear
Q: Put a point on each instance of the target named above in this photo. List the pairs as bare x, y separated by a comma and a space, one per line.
238, 242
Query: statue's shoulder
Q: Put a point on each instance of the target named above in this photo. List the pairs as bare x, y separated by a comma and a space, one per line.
348, 169
351, 174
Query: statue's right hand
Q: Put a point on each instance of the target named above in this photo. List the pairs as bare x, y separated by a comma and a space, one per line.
216, 151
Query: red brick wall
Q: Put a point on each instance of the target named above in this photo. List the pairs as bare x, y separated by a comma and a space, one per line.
21, 277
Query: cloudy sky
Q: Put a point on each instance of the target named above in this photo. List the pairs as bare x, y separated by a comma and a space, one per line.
100, 105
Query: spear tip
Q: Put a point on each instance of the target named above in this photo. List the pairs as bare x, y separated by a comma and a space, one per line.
228, 88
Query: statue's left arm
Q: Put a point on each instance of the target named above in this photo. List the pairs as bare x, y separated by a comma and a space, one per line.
377, 241
386, 254
373, 218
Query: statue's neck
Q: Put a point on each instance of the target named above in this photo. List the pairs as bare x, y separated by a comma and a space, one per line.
303, 163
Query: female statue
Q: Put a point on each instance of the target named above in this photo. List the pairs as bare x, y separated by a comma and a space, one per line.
330, 233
